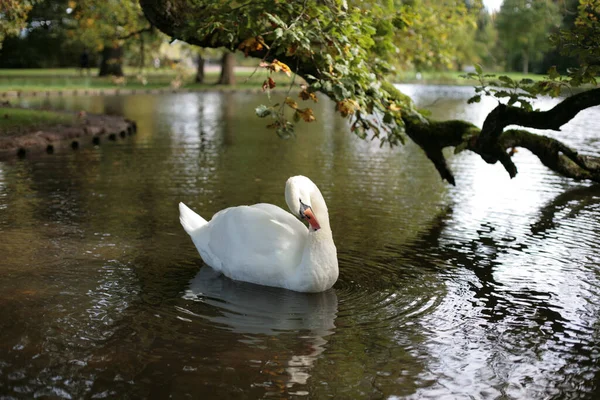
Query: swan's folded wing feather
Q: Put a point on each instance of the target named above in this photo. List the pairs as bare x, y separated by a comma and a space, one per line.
257, 242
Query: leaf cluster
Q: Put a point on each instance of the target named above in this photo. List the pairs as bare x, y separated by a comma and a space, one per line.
13, 16
341, 49
582, 41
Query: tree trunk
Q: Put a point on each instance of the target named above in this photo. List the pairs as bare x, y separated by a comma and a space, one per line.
525, 62
200, 70
112, 61
227, 75
142, 53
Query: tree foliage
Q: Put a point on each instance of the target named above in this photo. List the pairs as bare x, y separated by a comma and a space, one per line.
343, 50
582, 42
100, 23
524, 26
13, 16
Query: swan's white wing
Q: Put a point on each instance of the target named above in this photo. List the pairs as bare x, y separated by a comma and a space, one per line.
260, 243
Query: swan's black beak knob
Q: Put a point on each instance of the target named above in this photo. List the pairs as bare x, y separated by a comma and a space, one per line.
306, 212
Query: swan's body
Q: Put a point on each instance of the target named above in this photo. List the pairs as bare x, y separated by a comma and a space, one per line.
266, 245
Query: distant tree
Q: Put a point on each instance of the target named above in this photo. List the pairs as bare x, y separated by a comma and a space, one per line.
199, 68
13, 16
227, 76
43, 42
106, 25
486, 37
103, 26
524, 27
553, 57
425, 34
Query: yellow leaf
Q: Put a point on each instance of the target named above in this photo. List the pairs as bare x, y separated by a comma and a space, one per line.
252, 44
276, 66
291, 103
347, 107
283, 67
306, 95
306, 114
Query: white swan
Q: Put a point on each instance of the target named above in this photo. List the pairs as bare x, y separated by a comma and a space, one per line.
266, 245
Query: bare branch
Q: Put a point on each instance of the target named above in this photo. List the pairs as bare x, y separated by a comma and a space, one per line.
503, 116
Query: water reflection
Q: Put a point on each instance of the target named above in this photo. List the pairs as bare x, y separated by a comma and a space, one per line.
512, 301
254, 311
486, 290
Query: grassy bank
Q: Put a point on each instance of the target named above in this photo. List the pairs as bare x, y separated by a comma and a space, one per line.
37, 80
453, 77
15, 121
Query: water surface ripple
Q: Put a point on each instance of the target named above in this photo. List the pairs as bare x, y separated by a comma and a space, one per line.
486, 290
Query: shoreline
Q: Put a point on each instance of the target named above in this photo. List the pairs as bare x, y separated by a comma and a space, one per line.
119, 91
87, 129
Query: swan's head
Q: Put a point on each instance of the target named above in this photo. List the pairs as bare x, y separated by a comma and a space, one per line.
298, 192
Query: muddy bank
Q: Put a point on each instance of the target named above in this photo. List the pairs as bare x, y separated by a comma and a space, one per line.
86, 129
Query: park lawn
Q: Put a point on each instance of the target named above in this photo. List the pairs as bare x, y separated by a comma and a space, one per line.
36, 80
15, 121
76, 72
454, 77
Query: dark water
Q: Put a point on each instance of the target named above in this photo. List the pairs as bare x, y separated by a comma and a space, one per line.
487, 290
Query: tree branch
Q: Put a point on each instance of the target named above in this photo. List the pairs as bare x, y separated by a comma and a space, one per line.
503, 116
131, 34
491, 142
554, 154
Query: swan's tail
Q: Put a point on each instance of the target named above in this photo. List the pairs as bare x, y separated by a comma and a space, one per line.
189, 219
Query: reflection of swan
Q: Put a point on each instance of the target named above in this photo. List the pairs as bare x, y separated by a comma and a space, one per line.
246, 308
249, 308
266, 245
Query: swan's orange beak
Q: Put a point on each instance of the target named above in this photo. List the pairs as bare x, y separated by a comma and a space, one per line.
312, 220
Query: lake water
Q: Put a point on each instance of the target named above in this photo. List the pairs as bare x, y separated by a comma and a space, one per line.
486, 290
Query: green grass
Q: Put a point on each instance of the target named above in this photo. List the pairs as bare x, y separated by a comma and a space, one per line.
30, 80
75, 72
453, 77
18, 120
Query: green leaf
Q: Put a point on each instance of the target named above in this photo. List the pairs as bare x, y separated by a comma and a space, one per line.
340, 92
474, 99
388, 118
478, 69
263, 111
553, 73
276, 20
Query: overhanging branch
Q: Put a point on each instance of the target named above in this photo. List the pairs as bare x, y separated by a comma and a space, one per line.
503, 116
491, 142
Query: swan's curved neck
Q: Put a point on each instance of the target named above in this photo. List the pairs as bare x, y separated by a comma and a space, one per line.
320, 208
